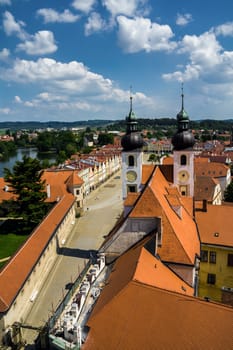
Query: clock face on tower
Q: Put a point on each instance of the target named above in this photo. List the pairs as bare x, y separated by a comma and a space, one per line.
183, 176
131, 176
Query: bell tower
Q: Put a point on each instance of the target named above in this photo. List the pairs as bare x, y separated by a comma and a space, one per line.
132, 155
183, 142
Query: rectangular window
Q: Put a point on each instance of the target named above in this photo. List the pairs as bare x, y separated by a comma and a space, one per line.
204, 255
212, 257
132, 188
230, 260
77, 192
211, 278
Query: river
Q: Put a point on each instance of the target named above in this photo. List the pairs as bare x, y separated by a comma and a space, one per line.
30, 152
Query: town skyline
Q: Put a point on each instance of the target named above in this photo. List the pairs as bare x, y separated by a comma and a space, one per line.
82, 60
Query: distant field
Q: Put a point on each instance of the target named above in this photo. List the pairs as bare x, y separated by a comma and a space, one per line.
9, 243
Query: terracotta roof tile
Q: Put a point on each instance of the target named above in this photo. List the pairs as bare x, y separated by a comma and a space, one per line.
210, 169
137, 315
16, 272
180, 241
215, 225
131, 199
147, 170
204, 188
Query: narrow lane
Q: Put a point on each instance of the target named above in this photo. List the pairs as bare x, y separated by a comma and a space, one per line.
104, 208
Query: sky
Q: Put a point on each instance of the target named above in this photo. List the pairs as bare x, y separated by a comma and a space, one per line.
73, 60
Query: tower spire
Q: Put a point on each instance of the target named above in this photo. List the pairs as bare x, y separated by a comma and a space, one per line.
182, 96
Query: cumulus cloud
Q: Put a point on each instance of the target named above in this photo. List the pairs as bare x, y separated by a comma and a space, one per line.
84, 6
128, 8
4, 54
70, 86
140, 34
39, 44
12, 27
51, 16
225, 29
207, 60
94, 24
183, 19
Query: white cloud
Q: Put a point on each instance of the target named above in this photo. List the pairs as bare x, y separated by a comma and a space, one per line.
5, 111
50, 16
225, 29
39, 44
140, 34
18, 99
129, 8
84, 6
4, 54
71, 87
5, 2
11, 27
94, 24
182, 20
205, 56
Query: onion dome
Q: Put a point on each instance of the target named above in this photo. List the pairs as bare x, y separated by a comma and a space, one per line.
132, 139
183, 139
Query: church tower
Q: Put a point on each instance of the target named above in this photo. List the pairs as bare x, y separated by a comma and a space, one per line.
183, 142
132, 155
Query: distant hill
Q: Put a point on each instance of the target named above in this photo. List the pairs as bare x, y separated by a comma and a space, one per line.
30, 125
143, 123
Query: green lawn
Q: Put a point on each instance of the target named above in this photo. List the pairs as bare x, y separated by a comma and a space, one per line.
9, 243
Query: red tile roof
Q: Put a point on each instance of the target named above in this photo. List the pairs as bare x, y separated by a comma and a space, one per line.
180, 242
136, 310
215, 225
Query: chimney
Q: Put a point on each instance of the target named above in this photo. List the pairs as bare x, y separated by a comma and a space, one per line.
48, 191
204, 205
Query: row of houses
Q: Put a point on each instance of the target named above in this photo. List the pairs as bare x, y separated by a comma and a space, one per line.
23, 275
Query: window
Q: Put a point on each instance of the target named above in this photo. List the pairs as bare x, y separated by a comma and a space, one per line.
132, 188
230, 260
77, 192
212, 257
211, 278
131, 160
204, 255
183, 159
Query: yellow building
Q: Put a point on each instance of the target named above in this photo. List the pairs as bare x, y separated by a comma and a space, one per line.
216, 266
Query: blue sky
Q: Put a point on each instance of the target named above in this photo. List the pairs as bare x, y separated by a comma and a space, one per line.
71, 60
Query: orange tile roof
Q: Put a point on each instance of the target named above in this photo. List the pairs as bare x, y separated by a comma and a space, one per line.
210, 169
5, 195
147, 170
133, 313
215, 225
204, 188
180, 241
131, 199
168, 160
15, 273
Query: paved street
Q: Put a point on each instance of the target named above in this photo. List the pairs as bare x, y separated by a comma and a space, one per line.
103, 208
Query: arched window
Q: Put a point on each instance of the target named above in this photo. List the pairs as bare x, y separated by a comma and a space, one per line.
183, 159
131, 160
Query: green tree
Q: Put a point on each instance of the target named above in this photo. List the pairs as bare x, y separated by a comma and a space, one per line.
105, 139
26, 183
228, 193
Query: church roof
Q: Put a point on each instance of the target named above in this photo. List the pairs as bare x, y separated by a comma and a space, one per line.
180, 241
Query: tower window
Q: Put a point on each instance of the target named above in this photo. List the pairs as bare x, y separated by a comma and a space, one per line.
131, 160
183, 159
132, 188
